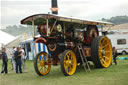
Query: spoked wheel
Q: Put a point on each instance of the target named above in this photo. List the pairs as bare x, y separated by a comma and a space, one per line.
91, 33
68, 63
42, 64
101, 52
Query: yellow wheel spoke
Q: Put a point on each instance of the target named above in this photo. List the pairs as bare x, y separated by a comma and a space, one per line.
41, 68
106, 57
100, 47
107, 51
66, 68
100, 51
103, 42
44, 69
105, 46
68, 57
70, 68
42, 56
66, 62
103, 61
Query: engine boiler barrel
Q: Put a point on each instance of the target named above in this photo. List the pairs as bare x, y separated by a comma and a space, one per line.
69, 45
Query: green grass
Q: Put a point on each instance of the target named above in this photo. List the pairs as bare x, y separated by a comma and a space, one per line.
123, 56
114, 75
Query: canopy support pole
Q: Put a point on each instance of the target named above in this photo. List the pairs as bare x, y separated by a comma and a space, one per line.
64, 30
33, 28
53, 26
33, 24
47, 27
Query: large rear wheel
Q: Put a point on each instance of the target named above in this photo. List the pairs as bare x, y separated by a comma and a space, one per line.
101, 52
91, 33
42, 64
68, 63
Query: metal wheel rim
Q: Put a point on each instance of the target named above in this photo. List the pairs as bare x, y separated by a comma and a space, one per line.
70, 63
43, 64
105, 52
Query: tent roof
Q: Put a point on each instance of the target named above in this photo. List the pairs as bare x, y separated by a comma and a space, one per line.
5, 38
15, 42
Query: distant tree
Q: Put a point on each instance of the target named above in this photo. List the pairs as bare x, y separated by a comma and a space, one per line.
117, 19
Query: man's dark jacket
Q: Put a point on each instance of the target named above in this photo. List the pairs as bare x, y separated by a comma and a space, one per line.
17, 53
4, 57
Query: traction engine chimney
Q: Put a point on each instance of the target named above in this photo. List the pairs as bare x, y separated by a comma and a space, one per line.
54, 7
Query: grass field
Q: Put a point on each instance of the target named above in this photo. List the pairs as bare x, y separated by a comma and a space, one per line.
114, 75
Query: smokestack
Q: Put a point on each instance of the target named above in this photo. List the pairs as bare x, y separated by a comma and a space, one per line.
54, 7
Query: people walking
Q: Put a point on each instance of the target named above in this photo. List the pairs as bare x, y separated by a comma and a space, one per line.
18, 60
5, 61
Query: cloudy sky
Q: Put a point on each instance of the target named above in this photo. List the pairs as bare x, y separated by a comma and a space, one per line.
12, 11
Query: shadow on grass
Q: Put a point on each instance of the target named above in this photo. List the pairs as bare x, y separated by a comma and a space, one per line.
57, 73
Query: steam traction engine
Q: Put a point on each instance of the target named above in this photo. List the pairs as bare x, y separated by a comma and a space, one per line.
61, 36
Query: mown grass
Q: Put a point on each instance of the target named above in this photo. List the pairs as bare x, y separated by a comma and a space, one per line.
114, 75
122, 55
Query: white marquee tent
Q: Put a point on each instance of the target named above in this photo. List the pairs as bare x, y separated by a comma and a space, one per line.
5, 38
15, 42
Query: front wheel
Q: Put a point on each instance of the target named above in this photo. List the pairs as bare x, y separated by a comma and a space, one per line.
68, 62
42, 64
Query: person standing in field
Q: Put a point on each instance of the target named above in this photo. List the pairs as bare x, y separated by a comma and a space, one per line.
114, 55
18, 60
22, 58
5, 61
13, 59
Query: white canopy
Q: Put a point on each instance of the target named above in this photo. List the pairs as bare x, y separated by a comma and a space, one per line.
5, 38
15, 42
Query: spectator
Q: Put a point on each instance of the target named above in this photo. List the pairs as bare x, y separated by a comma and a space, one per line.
22, 57
13, 59
18, 60
5, 61
114, 55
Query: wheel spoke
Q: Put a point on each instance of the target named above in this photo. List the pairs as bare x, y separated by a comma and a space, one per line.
65, 63
103, 61
107, 51
68, 57
66, 68
103, 42
41, 68
105, 45
106, 57
70, 69
44, 68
